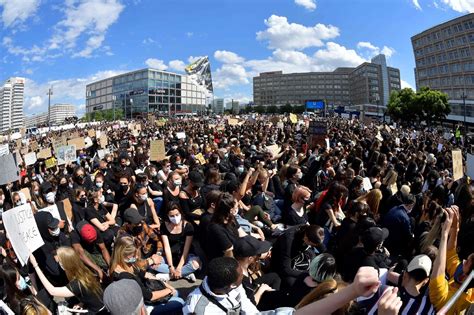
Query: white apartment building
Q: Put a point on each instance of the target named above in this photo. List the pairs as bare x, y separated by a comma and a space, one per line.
11, 104
218, 106
59, 112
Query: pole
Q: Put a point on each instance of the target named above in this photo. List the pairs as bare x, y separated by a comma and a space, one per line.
465, 123
456, 296
50, 92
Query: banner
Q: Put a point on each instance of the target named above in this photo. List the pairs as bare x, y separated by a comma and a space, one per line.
457, 165
157, 150
22, 231
66, 154
8, 169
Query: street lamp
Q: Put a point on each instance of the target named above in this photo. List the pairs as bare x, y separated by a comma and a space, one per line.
50, 92
131, 108
114, 99
464, 96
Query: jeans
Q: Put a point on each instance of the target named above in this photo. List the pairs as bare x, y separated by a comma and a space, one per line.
173, 306
158, 204
187, 269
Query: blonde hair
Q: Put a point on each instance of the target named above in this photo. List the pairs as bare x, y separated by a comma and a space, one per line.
321, 291
123, 247
372, 199
76, 270
40, 203
300, 192
31, 306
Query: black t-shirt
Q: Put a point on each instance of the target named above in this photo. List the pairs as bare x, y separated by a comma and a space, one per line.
177, 241
139, 277
99, 214
203, 229
292, 218
91, 302
322, 216
223, 237
91, 248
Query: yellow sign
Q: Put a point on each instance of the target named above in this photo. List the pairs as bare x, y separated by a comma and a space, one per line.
50, 162
293, 118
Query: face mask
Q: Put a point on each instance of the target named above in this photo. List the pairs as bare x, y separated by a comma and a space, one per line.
55, 232
124, 187
83, 200
175, 220
101, 199
218, 161
22, 285
154, 174
177, 182
144, 197
61, 265
1, 203
299, 176
306, 201
63, 185
127, 163
80, 178
18, 203
130, 260
50, 197
240, 169
99, 185
37, 193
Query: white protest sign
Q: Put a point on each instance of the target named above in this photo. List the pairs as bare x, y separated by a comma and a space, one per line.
181, 135
66, 154
53, 210
22, 231
440, 147
367, 185
397, 142
327, 143
30, 158
470, 165
4, 149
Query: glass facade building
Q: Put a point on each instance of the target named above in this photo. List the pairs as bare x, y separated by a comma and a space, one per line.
146, 91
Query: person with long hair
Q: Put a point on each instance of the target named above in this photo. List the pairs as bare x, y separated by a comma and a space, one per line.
31, 306
177, 236
173, 189
224, 230
83, 284
296, 214
145, 206
98, 215
372, 199
13, 287
37, 201
160, 297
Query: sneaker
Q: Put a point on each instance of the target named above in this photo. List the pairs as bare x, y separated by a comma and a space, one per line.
163, 277
191, 278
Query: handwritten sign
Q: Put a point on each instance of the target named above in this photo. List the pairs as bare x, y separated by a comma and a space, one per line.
44, 154
51, 162
53, 210
66, 154
4, 149
30, 158
233, 121
59, 143
104, 141
8, 169
157, 150
22, 231
79, 143
26, 193
91, 133
181, 135
200, 158
457, 165
33, 146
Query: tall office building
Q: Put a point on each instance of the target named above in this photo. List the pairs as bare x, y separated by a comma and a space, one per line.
218, 106
59, 113
367, 86
11, 104
445, 61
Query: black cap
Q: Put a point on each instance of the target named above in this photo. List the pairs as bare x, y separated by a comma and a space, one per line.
46, 187
249, 246
196, 178
374, 236
132, 216
51, 221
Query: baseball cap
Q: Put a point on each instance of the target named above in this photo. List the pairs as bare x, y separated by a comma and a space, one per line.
249, 246
374, 236
422, 262
132, 216
87, 231
123, 297
52, 221
196, 178
46, 187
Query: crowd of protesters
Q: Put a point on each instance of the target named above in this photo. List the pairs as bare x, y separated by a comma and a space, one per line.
374, 223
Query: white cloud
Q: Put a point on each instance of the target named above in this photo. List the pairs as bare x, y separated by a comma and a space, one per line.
405, 84
17, 11
156, 64
225, 56
283, 35
177, 65
463, 6
230, 74
189, 34
335, 55
374, 50
309, 5
71, 90
148, 41
416, 3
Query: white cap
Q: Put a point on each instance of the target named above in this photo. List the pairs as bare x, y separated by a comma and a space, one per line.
420, 262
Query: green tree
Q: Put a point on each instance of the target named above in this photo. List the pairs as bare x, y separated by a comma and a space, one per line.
272, 109
260, 109
433, 104
287, 108
400, 105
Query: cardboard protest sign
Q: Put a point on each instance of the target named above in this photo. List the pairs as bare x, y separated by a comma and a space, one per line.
104, 141
317, 130
4, 149
181, 135
157, 150
22, 231
79, 143
53, 210
470, 165
88, 142
457, 165
66, 154
366, 184
26, 193
8, 169
293, 118
200, 158
160, 123
18, 158
59, 143
51, 162
91, 133
68, 208
101, 153
44, 154
233, 121
30, 158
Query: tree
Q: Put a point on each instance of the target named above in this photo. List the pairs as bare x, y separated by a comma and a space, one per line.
260, 109
287, 108
272, 109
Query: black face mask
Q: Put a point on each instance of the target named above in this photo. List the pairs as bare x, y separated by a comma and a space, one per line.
80, 178
63, 186
124, 187
136, 230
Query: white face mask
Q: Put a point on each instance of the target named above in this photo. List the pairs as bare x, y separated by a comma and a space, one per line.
102, 199
50, 197
55, 232
177, 182
99, 185
176, 219
144, 197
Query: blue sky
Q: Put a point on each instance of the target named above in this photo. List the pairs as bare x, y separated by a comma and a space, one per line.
69, 43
